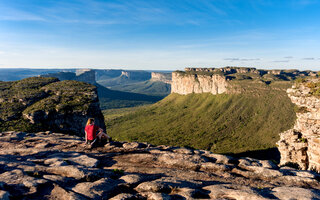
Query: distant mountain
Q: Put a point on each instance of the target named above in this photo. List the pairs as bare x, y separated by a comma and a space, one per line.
110, 78
14, 74
108, 98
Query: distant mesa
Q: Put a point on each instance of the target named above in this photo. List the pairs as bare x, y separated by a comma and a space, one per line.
223, 80
161, 77
84, 75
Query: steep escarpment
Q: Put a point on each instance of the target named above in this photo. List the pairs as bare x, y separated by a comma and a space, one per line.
225, 80
40, 103
194, 83
301, 144
46, 165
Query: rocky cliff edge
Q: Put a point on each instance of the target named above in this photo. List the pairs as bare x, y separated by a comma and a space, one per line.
47, 165
300, 145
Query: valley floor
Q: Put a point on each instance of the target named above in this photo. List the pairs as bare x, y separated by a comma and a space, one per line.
49, 165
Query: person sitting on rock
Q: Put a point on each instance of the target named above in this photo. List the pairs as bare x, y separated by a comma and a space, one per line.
91, 132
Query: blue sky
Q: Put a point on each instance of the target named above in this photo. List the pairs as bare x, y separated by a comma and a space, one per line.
160, 34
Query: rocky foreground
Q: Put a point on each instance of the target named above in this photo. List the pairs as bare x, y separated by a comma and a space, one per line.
48, 165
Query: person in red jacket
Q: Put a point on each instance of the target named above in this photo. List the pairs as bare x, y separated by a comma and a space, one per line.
93, 132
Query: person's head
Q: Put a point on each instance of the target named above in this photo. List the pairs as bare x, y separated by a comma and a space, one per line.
90, 121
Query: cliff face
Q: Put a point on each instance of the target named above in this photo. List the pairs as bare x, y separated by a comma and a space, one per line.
301, 144
193, 83
162, 77
46, 103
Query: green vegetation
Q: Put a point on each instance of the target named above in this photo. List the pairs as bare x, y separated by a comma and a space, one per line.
153, 88
64, 96
315, 88
111, 114
111, 99
298, 109
39, 94
250, 120
17, 95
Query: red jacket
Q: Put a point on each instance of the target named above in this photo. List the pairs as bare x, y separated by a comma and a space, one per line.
91, 131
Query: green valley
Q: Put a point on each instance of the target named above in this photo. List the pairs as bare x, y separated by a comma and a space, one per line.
226, 123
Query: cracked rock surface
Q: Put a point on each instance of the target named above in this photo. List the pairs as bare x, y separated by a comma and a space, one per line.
49, 165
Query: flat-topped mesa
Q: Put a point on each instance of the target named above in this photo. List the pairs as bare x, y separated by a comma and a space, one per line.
194, 83
162, 77
221, 80
301, 144
136, 75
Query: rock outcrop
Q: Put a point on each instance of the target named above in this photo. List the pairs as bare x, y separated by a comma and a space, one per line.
301, 144
162, 77
47, 165
194, 83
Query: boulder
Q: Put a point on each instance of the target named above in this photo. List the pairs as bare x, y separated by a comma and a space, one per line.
60, 193
126, 196
101, 189
67, 171
229, 191
4, 195
131, 178
289, 193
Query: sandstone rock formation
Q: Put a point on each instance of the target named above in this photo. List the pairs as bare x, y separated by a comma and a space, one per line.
162, 77
301, 145
193, 83
47, 165
219, 80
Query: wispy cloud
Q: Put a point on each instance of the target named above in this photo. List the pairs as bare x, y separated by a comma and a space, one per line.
288, 57
308, 58
281, 61
11, 14
241, 59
